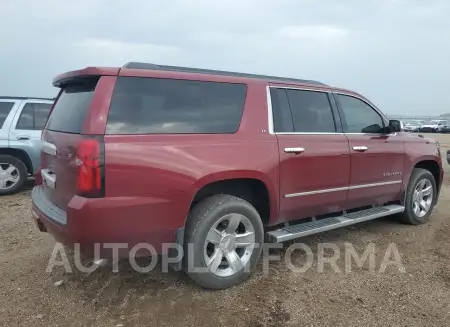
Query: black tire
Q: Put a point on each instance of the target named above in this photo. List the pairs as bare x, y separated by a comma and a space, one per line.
409, 216
201, 219
22, 170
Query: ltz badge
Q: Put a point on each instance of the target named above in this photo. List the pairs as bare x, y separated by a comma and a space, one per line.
395, 173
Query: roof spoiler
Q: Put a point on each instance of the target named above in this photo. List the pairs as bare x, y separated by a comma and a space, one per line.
150, 66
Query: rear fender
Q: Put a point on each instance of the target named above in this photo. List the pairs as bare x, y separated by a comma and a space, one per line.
238, 174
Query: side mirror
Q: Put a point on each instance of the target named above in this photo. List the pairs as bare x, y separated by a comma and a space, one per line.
395, 125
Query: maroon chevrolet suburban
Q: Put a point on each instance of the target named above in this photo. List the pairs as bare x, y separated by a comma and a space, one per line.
220, 162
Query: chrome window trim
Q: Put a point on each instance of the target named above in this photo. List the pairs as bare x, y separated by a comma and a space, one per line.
299, 88
309, 133
270, 111
346, 188
329, 133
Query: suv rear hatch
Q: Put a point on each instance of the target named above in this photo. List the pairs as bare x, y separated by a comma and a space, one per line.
72, 163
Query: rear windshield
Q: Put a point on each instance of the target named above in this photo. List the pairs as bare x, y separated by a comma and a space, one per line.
160, 106
5, 108
70, 109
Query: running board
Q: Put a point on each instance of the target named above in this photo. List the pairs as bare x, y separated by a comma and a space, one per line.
291, 232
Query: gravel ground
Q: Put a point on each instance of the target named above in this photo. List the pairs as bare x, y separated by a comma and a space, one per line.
418, 296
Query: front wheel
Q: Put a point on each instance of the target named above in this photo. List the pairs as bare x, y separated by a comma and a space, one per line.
420, 198
223, 241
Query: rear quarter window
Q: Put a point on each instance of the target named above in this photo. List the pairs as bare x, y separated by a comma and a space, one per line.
167, 106
72, 105
5, 108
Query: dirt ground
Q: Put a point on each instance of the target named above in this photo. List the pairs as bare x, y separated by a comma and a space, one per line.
419, 296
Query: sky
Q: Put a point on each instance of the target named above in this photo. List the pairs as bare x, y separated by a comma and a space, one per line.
394, 52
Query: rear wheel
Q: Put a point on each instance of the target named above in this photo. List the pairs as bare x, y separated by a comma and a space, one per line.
420, 197
13, 174
223, 241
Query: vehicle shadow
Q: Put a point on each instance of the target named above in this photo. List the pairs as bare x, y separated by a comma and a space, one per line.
123, 290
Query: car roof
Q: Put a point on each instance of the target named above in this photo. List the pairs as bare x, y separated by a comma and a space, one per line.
141, 69
181, 69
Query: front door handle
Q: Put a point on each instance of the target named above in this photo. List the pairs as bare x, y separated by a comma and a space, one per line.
294, 150
360, 148
23, 137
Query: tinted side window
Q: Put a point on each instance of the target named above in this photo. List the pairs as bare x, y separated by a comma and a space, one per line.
33, 116
359, 116
5, 108
160, 106
26, 120
311, 111
281, 112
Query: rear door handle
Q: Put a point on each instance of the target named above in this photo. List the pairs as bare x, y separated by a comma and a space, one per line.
23, 137
360, 148
294, 150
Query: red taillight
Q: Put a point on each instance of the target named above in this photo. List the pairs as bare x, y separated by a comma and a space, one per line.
90, 165
38, 177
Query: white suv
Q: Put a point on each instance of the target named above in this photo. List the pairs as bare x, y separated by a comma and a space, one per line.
21, 123
433, 126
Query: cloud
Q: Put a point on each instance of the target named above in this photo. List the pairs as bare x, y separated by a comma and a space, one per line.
108, 45
109, 52
380, 48
313, 32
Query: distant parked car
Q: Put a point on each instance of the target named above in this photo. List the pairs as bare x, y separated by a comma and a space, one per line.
434, 126
21, 123
414, 125
445, 129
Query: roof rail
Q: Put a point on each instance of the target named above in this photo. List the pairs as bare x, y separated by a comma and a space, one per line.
149, 66
25, 98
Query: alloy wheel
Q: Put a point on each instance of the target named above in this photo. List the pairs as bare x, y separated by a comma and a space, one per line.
229, 245
422, 197
9, 176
